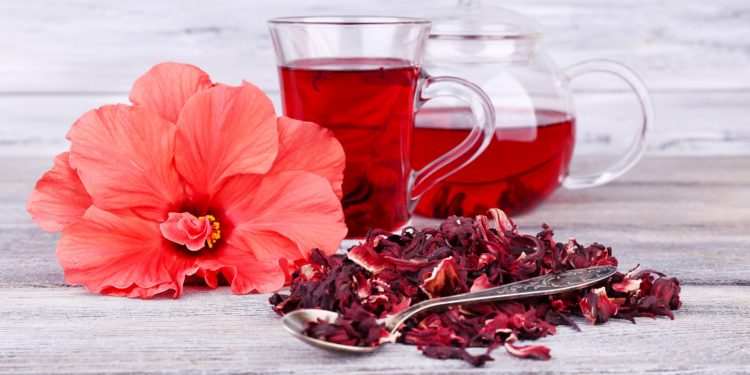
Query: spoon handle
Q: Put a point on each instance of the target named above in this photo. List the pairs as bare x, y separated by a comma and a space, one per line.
534, 287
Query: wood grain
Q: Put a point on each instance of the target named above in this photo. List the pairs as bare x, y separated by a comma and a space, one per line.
685, 216
64, 330
687, 123
60, 60
100, 46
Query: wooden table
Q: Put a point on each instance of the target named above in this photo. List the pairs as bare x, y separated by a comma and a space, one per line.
689, 217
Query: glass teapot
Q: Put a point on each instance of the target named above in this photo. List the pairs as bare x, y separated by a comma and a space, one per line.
535, 119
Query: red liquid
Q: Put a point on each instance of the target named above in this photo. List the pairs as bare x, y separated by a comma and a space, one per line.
521, 166
369, 106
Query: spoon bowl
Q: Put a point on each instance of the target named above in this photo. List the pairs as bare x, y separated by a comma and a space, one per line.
296, 321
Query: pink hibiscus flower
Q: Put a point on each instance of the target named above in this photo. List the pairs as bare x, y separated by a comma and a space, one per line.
194, 178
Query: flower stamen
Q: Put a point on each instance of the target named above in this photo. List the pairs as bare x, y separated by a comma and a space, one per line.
215, 230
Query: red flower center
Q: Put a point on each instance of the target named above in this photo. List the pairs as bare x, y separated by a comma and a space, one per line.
195, 233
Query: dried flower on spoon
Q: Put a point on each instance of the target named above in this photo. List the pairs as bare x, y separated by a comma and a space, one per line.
387, 273
194, 179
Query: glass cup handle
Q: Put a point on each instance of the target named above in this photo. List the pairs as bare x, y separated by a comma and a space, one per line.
638, 147
469, 149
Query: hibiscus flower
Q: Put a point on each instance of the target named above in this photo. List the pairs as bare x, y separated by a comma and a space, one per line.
193, 178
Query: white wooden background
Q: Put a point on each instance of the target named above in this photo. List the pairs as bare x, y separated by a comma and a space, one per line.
60, 58
686, 215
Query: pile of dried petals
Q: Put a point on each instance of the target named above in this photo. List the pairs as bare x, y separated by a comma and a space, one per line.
387, 273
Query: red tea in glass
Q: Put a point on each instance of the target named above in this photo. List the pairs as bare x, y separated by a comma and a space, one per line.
369, 106
361, 77
522, 164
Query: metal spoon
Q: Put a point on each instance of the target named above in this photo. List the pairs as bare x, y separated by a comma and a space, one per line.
296, 321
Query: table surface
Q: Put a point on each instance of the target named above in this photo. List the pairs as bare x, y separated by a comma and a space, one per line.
689, 217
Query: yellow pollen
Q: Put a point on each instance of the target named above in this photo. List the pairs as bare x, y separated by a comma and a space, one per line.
215, 233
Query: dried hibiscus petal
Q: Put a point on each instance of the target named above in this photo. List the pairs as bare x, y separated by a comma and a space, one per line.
388, 272
597, 307
529, 351
355, 327
629, 282
444, 280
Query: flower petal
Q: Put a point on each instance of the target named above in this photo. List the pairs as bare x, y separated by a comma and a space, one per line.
298, 139
59, 198
597, 307
224, 131
364, 255
244, 272
184, 228
166, 87
117, 255
445, 279
123, 155
210, 277
284, 215
540, 352
481, 283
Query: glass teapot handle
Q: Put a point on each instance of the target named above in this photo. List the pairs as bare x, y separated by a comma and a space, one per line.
465, 152
635, 151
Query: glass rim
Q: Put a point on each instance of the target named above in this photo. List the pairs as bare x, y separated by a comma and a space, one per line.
448, 36
349, 20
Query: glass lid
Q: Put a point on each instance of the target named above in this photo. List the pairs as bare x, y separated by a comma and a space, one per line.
482, 20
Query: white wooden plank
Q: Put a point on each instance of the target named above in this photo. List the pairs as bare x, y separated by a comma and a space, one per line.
65, 330
89, 45
686, 123
80, 46
705, 123
684, 216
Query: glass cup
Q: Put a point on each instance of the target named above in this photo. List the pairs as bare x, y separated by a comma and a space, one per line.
361, 77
